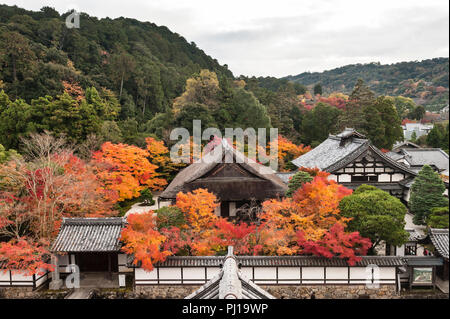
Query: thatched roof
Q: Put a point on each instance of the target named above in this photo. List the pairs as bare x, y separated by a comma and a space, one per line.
255, 181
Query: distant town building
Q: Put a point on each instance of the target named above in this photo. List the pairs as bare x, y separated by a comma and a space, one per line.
418, 128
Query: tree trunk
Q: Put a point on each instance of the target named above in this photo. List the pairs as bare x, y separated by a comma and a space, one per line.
14, 69
121, 87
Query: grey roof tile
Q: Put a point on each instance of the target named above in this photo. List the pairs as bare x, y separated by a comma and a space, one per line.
439, 238
89, 235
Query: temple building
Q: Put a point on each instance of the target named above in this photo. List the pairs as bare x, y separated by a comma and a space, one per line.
352, 160
93, 245
231, 176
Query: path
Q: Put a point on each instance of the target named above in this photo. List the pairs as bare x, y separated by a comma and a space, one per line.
79, 293
136, 209
442, 285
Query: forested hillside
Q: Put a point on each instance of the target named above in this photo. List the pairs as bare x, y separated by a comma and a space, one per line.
122, 81
426, 82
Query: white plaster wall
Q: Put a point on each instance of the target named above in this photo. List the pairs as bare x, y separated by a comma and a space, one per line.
345, 178
387, 273
262, 273
4, 275
247, 272
336, 273
211, 272
194, 275
173, 275
358, 275
332, 177
384, 178
397, 177
143, 274
217, 210
309, 273
292, 273
20, 277
401, 250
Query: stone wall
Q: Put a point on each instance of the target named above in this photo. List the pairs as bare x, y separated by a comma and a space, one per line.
331, 292
29, 293
165, 291
279, 291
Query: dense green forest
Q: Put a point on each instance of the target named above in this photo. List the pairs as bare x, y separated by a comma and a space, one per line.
426, 82
122, 80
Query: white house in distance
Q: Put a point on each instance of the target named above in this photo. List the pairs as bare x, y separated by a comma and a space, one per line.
419, 128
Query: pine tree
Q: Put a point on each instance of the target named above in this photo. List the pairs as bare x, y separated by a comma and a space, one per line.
426, 193
318, 89
361, 98
297, 182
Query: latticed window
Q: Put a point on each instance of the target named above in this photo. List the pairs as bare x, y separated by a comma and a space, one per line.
410, 249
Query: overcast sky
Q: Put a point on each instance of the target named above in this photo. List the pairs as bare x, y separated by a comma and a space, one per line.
287, 37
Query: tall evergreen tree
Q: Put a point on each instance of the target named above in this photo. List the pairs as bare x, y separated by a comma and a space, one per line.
297, 182
426, 193
354, 116
318, 89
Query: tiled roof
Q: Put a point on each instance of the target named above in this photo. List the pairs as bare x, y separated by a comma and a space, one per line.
337, 151
330, 152
89, 235
282, 261
225, 153
413, 235
439, 238
230, 283
429, 156
285, 176
423, 261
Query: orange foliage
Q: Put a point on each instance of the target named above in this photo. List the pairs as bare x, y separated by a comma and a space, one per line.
74, 90
198, 208
288, 151
144, 241
127, 170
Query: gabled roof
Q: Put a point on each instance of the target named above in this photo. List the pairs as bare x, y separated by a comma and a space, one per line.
405, 144
413, 235
330, 152
89, 235
230, 284
191, 177
417, 157
337, 151
439, 238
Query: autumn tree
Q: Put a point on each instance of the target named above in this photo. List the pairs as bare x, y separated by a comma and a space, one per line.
313, 209
37, 190
287, 151
202, 89
127, 170
143, 241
